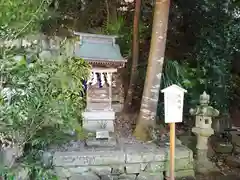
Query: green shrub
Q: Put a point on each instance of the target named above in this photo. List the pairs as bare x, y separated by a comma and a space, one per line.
41, 101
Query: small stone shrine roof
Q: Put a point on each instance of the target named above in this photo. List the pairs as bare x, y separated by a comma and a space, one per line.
99, 49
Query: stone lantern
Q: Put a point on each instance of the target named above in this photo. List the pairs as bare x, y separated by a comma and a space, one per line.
203, 130
203, 121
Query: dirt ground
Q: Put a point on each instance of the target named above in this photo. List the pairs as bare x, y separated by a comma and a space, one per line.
214, 176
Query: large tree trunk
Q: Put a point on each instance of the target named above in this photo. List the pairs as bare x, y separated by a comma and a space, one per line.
146, 119
135, 56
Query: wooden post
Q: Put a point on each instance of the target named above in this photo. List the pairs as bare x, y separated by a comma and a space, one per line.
110, 91
172, 151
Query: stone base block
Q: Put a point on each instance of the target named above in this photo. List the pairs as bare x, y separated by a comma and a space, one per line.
89, 157
9, 155
127, 177
150, 176
182, 173
144, 161
180, 164
222, 147
149, 153
93, 142
85, 176
95, 120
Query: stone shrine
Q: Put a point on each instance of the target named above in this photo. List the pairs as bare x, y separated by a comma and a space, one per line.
104, 94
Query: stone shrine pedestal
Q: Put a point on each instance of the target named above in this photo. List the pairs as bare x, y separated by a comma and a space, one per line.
100, 126
104, 55
130, 161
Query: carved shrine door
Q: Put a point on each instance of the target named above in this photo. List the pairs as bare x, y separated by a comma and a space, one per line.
99, 91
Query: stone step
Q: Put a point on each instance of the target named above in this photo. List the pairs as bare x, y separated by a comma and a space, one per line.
94, 142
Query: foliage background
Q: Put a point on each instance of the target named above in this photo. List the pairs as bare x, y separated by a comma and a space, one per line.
44, 104
19, 17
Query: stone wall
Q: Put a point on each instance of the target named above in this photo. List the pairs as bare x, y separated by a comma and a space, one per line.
132, 162
40, 40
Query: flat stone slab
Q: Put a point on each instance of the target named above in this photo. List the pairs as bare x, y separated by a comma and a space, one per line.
151, 153
93, 142
130, 153
88, 158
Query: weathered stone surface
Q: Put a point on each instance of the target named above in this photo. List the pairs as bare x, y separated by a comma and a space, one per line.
128, 177
62, 172
143, 166
147, 160
93, 121
79, 170
88, 158
117, 170
182, 164
164, 165
153, 154
106, 177
183, 173
182, 152
46, 55
101, 143
203, 121
92, 124
133, 168
101, 170
85, 176
222, 147
109, 177
47, 159
102, 134
202, 163
149, 176
143, 154
9, 155
156, 166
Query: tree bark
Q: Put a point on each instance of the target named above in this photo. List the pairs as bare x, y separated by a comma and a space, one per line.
147, 115
135, 56
108, 12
